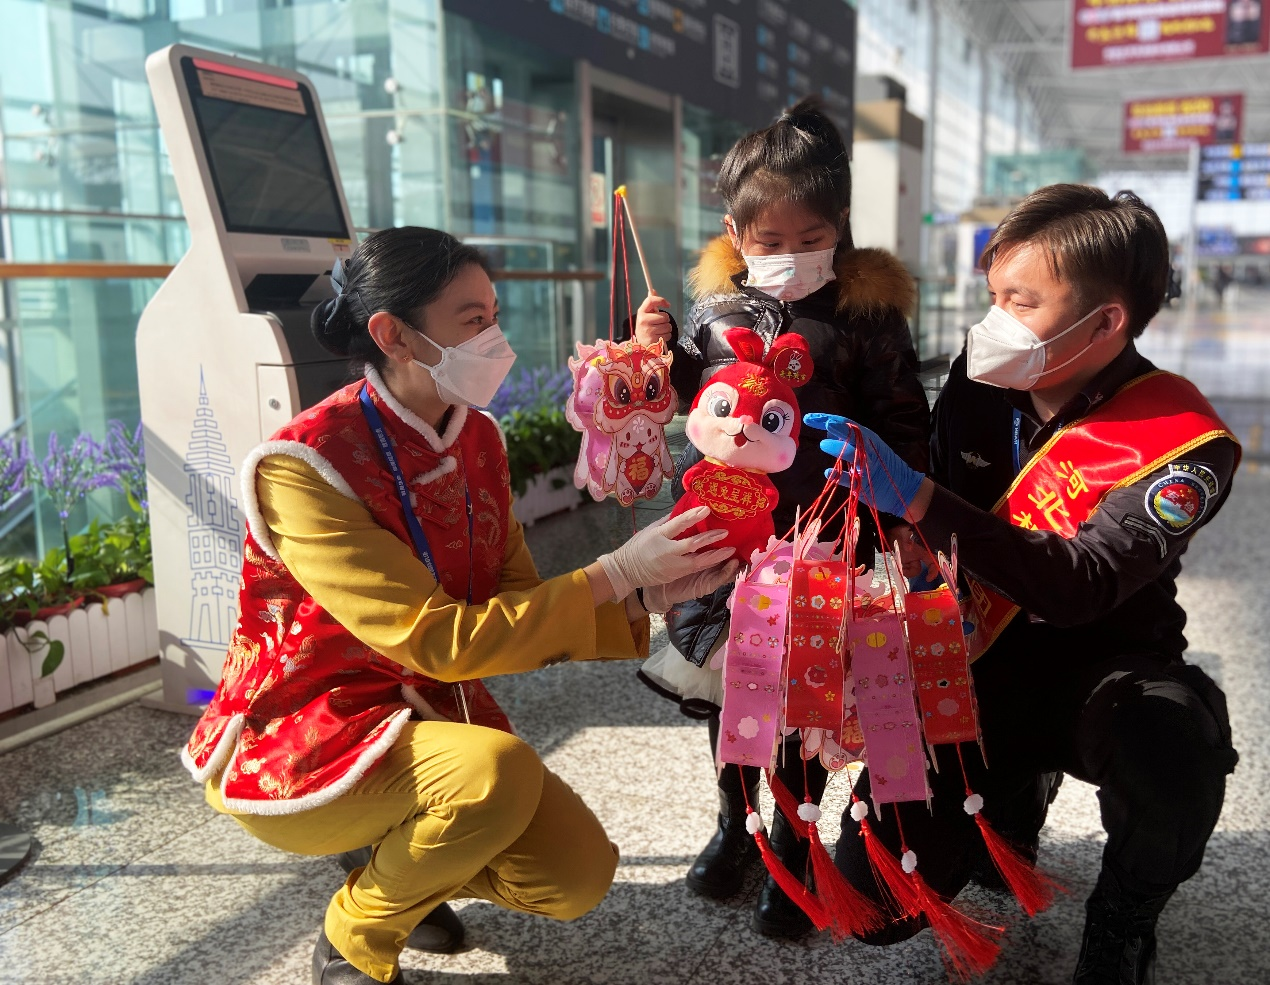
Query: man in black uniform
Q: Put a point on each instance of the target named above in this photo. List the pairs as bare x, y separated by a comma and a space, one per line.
1078, 627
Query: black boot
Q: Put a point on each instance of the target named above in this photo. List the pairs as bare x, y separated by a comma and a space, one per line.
440, 932
775, 914
332, 968
720, 869
1119, 943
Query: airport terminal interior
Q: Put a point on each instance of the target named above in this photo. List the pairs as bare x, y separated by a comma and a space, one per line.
179, 180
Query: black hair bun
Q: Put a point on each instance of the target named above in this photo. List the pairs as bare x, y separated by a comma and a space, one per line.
808, 115
333, 325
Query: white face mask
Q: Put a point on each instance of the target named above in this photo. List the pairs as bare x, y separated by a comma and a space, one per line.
1002, 351
790, 276
471, 373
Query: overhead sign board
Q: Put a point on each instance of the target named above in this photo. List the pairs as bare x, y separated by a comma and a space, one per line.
1234, 172
1108, 33
1153, 126
745, 61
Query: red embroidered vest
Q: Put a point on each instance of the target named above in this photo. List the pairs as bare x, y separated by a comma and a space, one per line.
304, 709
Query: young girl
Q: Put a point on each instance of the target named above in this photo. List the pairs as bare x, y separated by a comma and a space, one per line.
786, 263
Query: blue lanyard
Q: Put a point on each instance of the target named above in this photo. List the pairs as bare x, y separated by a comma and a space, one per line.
1018, 441
371, 412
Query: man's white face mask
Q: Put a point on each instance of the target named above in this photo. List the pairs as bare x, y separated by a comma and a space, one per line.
471, 373
1002, 351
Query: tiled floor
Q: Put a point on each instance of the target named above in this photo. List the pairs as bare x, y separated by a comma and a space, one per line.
135, 882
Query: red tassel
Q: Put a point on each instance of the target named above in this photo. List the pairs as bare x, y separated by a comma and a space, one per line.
791, 884
891, 878
969, 947
1031, 886
851, 913
787, 805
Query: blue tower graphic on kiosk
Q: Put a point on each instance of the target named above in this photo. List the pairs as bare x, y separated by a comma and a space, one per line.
215, 532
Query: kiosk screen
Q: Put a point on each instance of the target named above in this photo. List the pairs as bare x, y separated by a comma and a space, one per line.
265, 151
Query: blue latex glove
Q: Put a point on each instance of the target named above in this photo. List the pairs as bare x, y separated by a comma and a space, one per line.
894, 483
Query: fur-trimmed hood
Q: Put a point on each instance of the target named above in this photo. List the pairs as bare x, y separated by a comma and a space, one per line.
869, 280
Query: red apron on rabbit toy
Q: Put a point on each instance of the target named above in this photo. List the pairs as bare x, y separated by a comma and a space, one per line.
745, 422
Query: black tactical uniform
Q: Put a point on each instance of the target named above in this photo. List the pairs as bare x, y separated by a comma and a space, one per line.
1089, 678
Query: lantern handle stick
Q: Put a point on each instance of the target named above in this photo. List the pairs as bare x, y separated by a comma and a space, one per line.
639, 247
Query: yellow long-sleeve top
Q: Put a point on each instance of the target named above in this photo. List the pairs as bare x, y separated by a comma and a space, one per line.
375, 586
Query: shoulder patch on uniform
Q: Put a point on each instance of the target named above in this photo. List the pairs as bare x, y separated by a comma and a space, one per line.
1179, 500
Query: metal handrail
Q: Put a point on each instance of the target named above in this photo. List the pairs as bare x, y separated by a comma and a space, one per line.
84, 270
20, 421
100, 270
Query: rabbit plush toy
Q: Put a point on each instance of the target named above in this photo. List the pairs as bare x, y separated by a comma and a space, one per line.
745, 422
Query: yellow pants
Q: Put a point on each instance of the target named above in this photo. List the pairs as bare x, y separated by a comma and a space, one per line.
454, 812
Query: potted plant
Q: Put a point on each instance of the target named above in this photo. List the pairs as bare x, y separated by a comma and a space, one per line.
542, 446
126, 546
105, 561
67, 475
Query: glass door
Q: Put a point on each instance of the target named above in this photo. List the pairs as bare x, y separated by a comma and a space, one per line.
633, 144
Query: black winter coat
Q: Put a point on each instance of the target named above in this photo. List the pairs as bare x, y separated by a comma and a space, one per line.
865, 368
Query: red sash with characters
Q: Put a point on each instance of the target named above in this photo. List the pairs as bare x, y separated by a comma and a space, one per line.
1144, 426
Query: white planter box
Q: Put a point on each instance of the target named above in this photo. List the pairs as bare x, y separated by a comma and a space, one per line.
541, 499
99, 640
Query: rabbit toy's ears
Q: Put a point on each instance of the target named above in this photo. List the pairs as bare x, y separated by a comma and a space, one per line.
789, 359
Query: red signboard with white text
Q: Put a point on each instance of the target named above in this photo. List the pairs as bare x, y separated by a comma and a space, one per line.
1175, 123
1109, 33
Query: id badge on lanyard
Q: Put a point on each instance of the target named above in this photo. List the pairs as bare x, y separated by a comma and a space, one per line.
420, 539
1018, 441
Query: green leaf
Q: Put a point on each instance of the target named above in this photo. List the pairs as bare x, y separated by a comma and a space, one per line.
53, 659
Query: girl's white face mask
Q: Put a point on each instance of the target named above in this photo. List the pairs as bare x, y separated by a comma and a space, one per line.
1002, 351
471, 373
790, 276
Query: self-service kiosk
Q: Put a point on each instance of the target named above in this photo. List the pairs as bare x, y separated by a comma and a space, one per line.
224, 351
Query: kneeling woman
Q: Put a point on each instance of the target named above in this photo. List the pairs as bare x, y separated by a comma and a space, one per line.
384, 576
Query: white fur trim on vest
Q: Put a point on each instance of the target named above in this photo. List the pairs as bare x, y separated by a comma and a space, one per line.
421, 705
438, 443
251, 501
225, 745
498, 427
318, 798
446, 466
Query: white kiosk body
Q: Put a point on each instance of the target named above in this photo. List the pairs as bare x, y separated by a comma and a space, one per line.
224, 351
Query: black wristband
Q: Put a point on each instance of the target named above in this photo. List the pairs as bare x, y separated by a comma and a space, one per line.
639, 594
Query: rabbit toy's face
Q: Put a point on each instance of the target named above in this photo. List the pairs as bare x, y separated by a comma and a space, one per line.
745, 421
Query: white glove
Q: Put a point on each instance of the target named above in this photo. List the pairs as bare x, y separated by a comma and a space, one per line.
659, 598
654, 557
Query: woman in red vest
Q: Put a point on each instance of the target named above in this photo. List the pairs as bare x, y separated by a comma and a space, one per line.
384, 575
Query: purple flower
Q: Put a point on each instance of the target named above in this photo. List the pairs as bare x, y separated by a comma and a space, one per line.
124, 458
67, 475
532, 389
15, 459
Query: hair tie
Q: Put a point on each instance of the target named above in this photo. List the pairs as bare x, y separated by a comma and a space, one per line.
343, 296
337, 276
337, 304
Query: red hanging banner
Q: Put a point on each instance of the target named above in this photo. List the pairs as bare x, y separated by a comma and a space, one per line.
941, 667
816, 625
